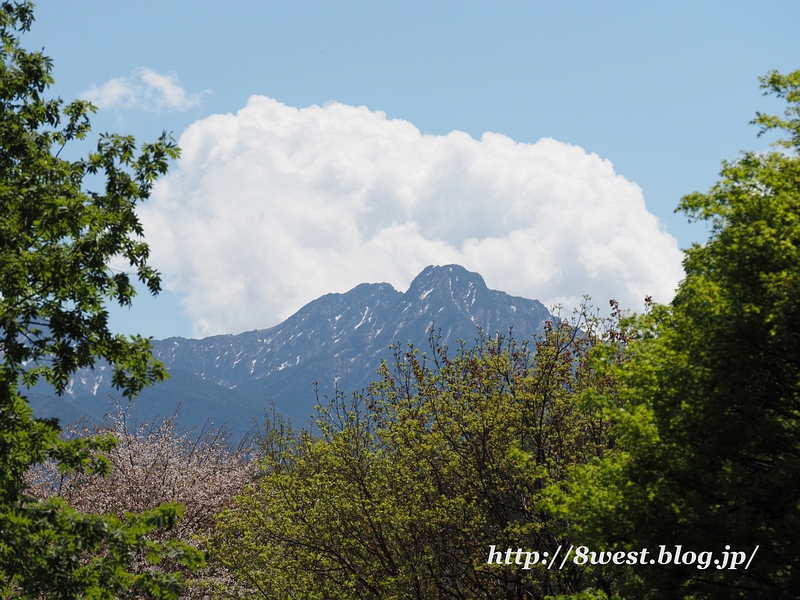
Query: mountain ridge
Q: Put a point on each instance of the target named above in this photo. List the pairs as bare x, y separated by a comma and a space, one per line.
337, 340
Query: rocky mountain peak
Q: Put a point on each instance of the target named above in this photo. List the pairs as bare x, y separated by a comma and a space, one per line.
447, 282
338, 341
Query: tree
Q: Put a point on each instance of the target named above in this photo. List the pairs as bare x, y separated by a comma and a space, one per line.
155, 463
56, 244
402, 491
708, 412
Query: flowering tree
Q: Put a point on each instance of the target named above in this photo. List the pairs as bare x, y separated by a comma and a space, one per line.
155, 463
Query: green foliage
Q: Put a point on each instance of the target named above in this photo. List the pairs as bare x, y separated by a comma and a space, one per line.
52, 549
708, 412
56, 243
402, 491
788, 87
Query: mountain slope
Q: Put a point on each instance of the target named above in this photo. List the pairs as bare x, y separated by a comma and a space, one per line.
337, 341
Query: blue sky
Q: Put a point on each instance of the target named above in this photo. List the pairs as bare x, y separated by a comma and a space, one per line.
664, 91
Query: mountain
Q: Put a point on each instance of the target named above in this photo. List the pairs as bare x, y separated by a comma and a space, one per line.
337, 341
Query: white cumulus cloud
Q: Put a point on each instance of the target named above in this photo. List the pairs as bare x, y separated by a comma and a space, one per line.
144, 89
274, 206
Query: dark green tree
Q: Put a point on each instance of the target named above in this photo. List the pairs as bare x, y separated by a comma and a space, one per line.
708, 413
56, 244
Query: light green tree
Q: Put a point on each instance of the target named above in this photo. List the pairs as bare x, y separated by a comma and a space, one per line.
708, 411
400, 493
56, 243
